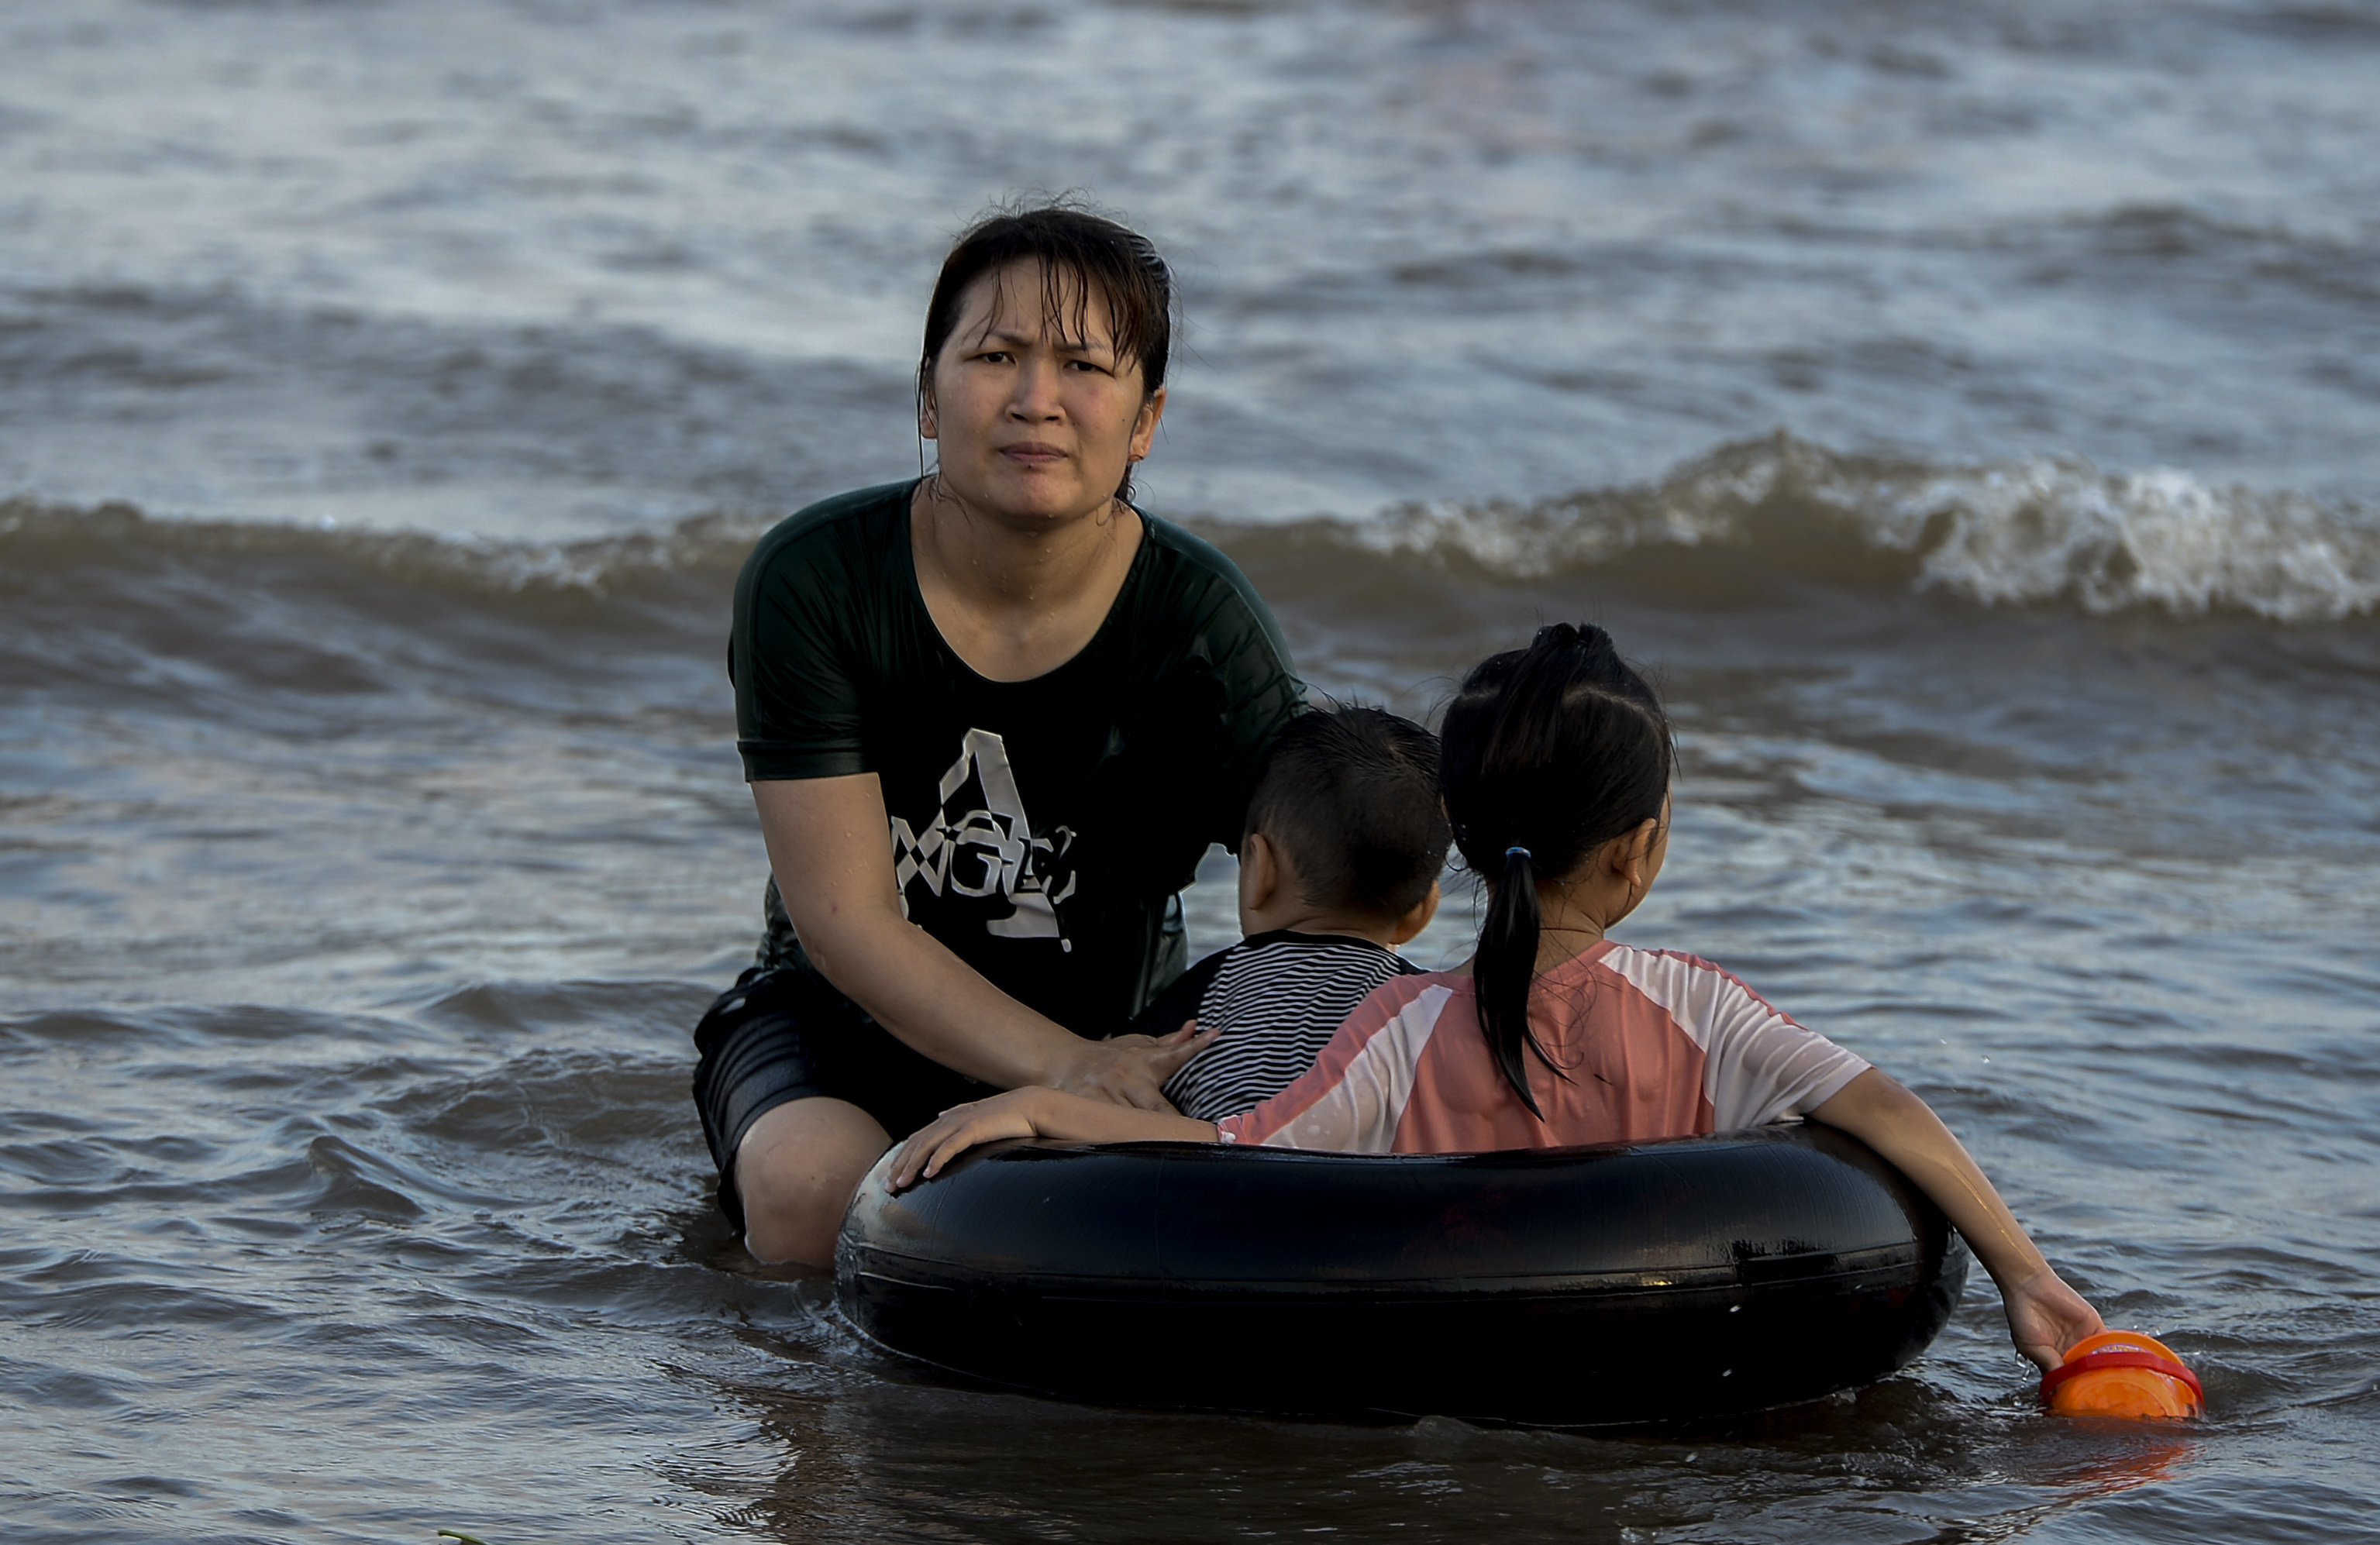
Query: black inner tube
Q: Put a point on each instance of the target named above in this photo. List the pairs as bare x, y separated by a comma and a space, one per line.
1625, 1283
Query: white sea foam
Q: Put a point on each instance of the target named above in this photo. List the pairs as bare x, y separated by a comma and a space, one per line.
2041, 530
2038, 530
2046, 530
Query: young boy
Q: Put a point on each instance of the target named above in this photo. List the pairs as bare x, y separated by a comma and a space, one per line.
1339, 863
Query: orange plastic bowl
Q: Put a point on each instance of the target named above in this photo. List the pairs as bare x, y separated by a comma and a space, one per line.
2122, 1374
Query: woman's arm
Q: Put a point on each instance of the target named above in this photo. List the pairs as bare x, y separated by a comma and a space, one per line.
829, 848
1040, 1113
2045, 1315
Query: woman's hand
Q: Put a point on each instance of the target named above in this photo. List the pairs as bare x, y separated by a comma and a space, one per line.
1131, 1069
834, 870
2046, 1317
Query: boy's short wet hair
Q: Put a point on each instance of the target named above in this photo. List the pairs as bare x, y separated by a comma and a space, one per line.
1350, 794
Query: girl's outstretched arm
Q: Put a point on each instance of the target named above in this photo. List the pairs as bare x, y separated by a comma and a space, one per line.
2045, 1315
1034, 1112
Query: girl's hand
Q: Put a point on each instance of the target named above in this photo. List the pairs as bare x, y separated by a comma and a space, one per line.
2046, 1317
1130, 1069
1033, 1112
962, 1128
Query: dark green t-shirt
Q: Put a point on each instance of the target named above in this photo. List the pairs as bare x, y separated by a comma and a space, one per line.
1041, 830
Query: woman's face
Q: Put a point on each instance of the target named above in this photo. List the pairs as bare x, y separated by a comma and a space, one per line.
1034, 426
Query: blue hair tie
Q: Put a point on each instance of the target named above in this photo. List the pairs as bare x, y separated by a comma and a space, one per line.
1523, 851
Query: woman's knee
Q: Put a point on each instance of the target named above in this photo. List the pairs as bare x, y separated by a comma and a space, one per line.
795, 1171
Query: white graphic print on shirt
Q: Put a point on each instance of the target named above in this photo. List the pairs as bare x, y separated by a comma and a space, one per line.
980, 844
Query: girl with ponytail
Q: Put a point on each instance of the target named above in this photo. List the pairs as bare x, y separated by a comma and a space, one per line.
1556, 763
1552, 754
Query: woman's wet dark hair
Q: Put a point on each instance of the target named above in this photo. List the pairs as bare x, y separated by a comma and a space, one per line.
1079, 253
1548, 752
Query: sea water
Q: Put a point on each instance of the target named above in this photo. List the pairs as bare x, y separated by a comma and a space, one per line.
1970, 411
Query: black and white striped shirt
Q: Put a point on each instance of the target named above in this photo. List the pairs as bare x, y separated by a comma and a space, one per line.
1277, 998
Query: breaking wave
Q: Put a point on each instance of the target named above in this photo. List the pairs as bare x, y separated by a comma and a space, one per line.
2046, 530
35, 537
2042, 530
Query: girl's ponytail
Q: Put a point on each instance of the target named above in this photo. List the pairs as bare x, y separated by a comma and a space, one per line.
1547, 753
1504, 967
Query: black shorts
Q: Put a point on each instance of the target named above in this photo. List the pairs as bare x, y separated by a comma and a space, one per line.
782, 1035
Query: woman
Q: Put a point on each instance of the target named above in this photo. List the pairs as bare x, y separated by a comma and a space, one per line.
1049, 702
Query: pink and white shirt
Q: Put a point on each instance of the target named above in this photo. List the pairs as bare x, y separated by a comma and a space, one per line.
1655, 1044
